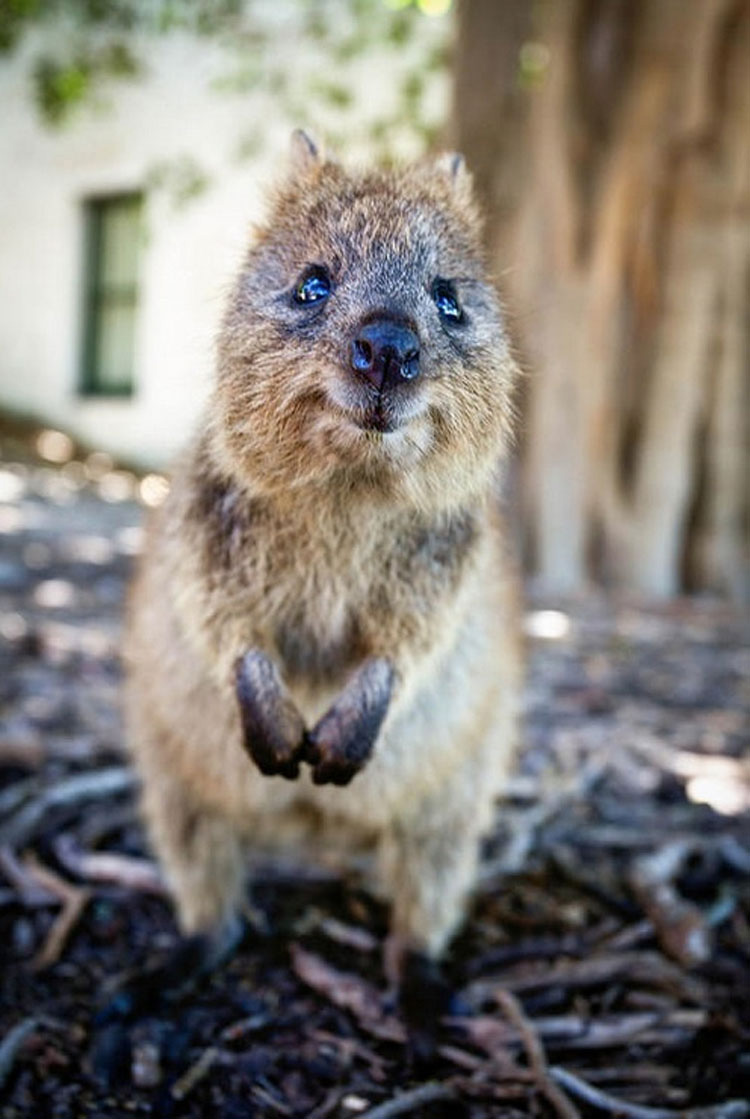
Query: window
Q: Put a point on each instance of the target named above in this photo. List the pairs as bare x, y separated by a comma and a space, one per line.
113, 236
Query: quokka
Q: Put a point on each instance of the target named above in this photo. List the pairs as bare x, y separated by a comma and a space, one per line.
321, 637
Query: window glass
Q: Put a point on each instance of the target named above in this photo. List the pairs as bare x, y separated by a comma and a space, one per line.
113, 237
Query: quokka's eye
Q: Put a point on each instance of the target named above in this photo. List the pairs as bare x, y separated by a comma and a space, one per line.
446, 301
313, 286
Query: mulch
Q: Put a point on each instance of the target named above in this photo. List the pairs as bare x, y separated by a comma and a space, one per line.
605, 965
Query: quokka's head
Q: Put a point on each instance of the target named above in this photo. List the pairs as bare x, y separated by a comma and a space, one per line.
363, 343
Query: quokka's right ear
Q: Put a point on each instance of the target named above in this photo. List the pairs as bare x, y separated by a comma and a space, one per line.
307, 157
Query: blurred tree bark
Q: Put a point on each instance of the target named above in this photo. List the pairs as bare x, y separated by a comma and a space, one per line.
611, 146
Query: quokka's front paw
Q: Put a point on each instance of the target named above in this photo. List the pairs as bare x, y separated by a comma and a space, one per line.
341, 743
273, 730
332, 764
337, 747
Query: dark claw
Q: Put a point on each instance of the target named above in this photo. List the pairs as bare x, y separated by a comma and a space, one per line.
148, 992
144, 991
335, 772
425, 998
169, 980
289, 769
327, 767
110, 1055
274, 766
272, 727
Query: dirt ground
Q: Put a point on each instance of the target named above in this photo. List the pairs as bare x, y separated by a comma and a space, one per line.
605, 966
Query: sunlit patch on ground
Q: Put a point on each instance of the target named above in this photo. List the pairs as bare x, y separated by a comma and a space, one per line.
724, 783
54, 593
550, 625
12, 486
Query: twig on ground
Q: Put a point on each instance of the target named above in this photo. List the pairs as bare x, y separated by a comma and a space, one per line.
109, 866
21, 827
679, 925
58, 935
348, 991
631, 936
17, 793
74, 900
460, 1057
408, 1101
619, 837
732, 1109
531, 948
351, 1047
12, 1043
527, 824
650, 1028
351, 936
637, 967
572, 1031
329, 1104
26, 888
536, 1056
241, 1027
195, 1073
501, 1068
270, 1100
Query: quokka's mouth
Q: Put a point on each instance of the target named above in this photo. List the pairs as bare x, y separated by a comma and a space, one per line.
377, 420
374, 417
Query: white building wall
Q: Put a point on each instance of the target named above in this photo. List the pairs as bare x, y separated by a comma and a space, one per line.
187, 261
191, 252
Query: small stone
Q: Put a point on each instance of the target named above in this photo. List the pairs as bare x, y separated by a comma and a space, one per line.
146, 1065
355, 1103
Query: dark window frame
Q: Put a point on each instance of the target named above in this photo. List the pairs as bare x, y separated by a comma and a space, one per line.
97, 295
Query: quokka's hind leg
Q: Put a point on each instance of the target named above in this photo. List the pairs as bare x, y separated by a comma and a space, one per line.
201, 856
428, 866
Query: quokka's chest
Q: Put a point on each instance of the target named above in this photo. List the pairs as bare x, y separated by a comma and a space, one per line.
321, 635
331, 615
327, 590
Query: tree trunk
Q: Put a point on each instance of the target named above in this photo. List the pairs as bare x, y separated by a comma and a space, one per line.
612, 142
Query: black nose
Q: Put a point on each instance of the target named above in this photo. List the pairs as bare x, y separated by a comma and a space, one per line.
386, 352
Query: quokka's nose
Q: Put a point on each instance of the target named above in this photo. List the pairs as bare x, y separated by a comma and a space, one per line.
386, 352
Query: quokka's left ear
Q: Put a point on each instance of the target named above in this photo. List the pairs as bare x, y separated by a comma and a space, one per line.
452, 164
452, 167
307, 156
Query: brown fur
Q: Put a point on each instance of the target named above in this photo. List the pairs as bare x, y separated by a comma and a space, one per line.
291, 530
